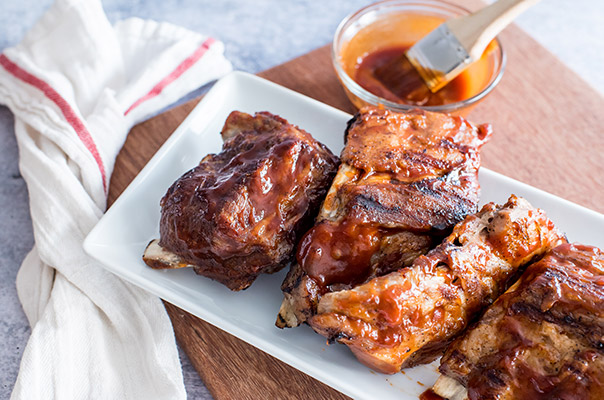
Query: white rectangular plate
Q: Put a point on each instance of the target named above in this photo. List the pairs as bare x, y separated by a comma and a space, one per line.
120, 237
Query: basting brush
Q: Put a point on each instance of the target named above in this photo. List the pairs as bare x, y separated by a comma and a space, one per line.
446, 51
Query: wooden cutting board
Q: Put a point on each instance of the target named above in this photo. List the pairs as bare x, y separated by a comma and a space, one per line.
548, 132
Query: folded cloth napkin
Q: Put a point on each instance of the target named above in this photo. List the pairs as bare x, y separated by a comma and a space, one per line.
76, 85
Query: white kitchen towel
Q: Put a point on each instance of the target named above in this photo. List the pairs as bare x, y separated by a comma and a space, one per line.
76, 84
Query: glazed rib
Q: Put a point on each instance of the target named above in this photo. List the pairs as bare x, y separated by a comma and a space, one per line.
240, 212
407, 317
404, 181
543, 338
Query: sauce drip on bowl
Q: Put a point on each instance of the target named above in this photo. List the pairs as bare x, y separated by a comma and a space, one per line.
413, 90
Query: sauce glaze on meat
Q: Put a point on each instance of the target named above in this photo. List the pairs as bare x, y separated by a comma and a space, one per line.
542, 339
413, 172
404, 181
239, 213
408, 317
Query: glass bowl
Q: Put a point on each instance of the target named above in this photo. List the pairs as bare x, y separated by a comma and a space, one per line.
392, 23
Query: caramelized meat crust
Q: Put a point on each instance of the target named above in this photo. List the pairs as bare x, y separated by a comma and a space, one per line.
407, 317
404, 181
412, 146
543, 338
240, 212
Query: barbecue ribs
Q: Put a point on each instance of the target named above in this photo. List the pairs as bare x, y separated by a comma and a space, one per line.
542, 339
404, 181
240, 213
407, 317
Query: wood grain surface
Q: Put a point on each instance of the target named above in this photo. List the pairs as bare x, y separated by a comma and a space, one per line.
548, 132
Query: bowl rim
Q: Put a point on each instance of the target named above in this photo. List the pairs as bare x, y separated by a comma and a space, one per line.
364, 95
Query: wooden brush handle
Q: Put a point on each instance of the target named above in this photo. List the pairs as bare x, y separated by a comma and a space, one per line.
475, 31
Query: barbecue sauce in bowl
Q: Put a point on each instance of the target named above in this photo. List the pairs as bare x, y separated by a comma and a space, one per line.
381, 33
412, 90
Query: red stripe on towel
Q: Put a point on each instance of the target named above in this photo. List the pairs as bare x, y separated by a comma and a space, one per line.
175, 74
68, 112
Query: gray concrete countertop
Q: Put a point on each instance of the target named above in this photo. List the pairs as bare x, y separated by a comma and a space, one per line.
257, 35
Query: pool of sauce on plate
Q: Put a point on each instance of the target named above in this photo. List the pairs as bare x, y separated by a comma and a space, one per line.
430, 395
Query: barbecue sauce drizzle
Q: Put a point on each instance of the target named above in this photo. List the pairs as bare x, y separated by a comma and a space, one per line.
338, 252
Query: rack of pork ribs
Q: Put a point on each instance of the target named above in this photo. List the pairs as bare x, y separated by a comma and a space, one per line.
371, 273
404, 181
542, 339
240, 212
